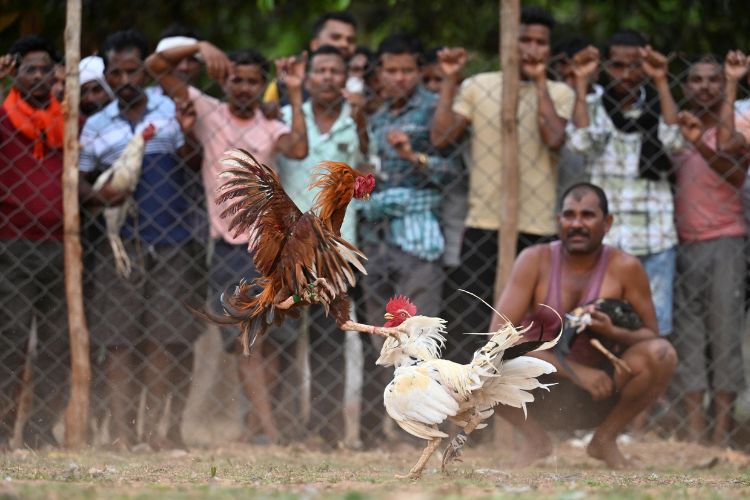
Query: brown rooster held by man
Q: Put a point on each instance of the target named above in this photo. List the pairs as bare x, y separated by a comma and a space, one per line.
301, 257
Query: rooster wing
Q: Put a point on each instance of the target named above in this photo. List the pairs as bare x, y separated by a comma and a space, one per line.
258, 205
313, 251
418, 401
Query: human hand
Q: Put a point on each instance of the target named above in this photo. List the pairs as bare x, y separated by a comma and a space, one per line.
654, 63
217, 62
400, 141
534, 68
690, 126
451, 60
271, 110
735, 65
585, 63
600, 322
108, 196
291, 70
7, 63
185, 114
596, 382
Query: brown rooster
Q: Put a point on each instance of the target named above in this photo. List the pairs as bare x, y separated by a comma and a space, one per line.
301, 257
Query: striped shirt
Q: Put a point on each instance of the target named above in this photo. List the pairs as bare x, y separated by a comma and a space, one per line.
643, 209
160, 194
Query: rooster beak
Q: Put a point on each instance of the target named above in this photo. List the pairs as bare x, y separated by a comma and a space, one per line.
388, 316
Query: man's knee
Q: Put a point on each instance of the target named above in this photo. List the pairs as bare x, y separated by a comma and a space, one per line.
660, 355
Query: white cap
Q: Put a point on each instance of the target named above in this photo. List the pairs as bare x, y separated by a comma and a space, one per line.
172, 42
91, 69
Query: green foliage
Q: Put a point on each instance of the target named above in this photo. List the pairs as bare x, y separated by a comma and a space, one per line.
278, 27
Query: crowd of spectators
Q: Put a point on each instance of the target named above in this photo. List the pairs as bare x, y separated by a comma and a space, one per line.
672, 170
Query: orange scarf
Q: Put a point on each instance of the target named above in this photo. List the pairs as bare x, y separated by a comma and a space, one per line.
40, 125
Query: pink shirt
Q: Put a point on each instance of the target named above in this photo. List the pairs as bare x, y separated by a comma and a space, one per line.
706, 205
218, 130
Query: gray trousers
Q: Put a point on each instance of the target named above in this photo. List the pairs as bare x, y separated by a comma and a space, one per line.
709, 310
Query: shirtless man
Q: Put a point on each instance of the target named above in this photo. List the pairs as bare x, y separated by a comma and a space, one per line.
567, 274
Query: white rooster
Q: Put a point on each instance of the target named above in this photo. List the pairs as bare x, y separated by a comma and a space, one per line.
426, 390
123, 176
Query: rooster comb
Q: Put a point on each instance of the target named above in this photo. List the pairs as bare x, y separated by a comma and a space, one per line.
400, 302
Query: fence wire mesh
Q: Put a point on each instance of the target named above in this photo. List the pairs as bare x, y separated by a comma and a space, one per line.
163, 378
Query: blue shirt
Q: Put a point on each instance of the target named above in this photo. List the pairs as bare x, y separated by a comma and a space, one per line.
415, 225
160, 194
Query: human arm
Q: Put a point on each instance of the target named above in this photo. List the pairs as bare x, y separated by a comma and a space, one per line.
518, 295
551, 125
447, 125
585, 63
729, 167
637, 292
357, 102
191, 150
291, 71
731, 145
434, 167
655, 65
162, 64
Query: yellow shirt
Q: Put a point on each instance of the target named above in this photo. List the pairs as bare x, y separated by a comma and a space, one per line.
479, 101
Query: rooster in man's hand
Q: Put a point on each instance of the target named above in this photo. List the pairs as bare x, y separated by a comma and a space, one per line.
123, 177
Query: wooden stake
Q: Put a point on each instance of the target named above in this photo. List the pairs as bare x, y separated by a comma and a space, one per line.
77, 412
508, 234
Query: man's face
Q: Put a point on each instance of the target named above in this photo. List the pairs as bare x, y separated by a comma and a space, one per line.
399, 75
244, 86
93, 97
34, 77
188, 70
704, 87
533, 43
624, 69
432, 77
339, 34
58, 85
581, 223
125, 75
326, 78
358, 66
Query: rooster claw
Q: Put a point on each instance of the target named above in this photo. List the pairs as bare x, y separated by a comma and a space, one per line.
454, 451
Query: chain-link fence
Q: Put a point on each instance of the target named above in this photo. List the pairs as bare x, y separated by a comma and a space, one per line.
163, 378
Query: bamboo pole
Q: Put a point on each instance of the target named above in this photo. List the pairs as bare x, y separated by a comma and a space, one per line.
77, 412
508, 234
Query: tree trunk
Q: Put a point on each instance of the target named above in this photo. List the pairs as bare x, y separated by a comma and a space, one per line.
508, 235
77, 412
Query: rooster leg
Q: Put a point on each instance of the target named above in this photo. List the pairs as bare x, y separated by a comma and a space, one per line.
453, 451
416, 471
617, 362
351, 326
122, 261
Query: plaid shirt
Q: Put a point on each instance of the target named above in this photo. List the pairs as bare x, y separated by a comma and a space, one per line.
412, 220
643, 208
415, 226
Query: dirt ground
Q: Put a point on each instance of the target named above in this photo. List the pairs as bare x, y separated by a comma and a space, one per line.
667, 469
